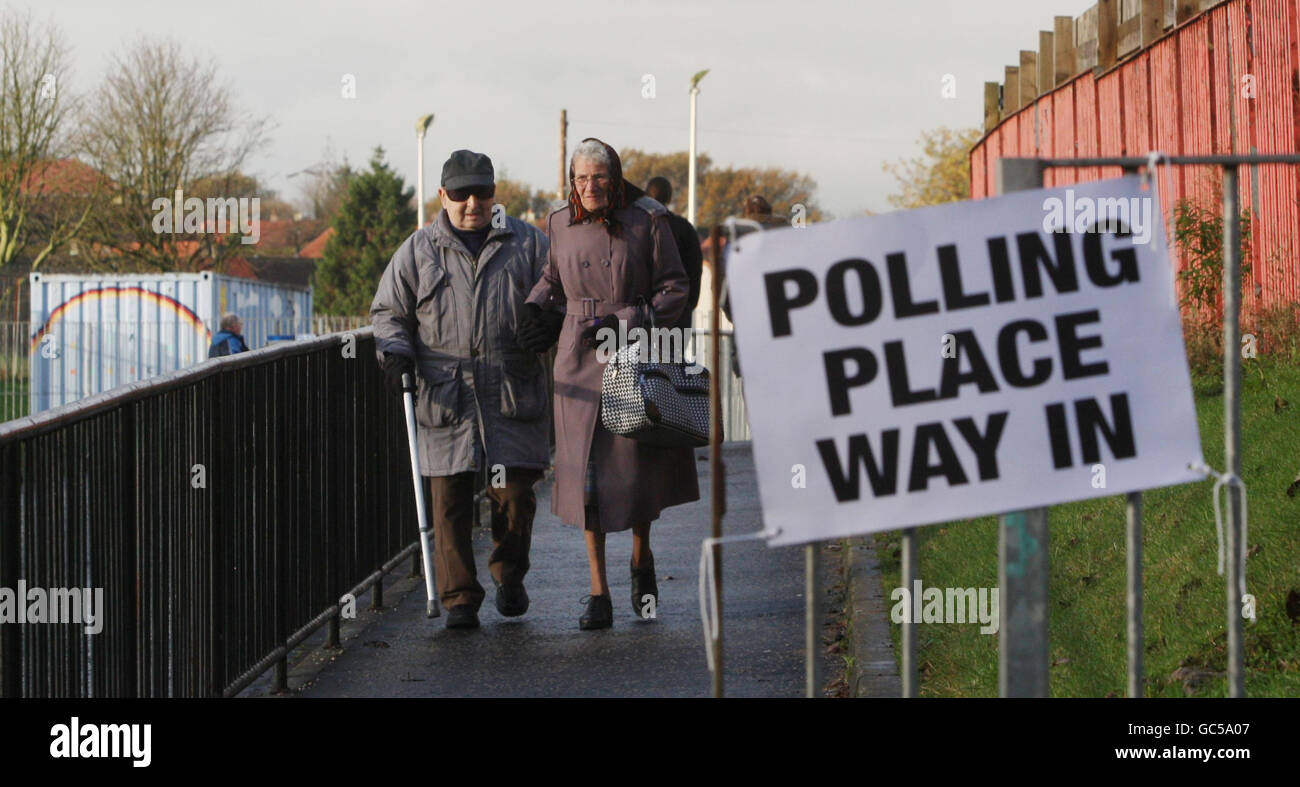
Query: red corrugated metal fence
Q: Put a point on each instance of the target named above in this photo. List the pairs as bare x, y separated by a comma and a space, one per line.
1224, 81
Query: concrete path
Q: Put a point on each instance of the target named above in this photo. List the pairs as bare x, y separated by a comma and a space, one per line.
397, 652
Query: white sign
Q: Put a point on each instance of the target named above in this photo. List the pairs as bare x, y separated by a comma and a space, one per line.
962, 360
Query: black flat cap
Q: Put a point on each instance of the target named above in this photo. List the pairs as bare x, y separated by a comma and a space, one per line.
467, 168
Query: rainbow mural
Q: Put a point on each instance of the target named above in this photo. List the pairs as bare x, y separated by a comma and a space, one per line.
165, 302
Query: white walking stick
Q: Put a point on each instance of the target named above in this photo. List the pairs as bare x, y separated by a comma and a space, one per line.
426, 536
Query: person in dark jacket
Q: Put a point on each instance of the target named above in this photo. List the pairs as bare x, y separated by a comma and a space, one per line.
449, 310
229, 339
759, 210
688, 245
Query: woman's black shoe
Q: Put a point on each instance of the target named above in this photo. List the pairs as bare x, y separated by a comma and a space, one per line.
598, 615
645, 591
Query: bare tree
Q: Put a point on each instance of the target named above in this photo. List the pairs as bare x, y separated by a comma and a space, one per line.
325, 185
45, 196
161, 121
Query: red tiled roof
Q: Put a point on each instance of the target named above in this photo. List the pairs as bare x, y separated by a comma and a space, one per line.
315, 249
63, 176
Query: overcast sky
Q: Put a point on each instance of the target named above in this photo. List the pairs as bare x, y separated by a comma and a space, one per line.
831, 89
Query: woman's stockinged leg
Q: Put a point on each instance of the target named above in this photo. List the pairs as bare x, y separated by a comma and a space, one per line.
596, 562
641, 554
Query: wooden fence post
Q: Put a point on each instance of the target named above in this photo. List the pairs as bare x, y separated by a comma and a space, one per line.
1028, 77
1152, 23
1107, 33
1063, 65
991, 114
1046, 52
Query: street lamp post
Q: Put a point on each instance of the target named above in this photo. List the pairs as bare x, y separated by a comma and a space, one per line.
421, 126
690, 175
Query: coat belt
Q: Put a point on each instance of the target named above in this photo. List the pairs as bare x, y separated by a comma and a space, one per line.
600, 308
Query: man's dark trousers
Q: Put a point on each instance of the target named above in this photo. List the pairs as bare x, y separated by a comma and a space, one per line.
513, 507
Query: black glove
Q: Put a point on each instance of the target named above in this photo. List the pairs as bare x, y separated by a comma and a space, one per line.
394, 367
538, 329
589, 334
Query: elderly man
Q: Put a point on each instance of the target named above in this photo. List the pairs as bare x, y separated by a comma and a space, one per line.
450, 305
229, 340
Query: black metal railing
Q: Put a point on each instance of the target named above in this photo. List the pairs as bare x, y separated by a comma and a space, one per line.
223, 510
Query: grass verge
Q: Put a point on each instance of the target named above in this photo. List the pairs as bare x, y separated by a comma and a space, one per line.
1184, 597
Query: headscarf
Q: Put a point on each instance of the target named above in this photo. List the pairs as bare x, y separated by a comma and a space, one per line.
621, 194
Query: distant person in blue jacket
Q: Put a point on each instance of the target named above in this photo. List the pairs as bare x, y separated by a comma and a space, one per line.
229, 340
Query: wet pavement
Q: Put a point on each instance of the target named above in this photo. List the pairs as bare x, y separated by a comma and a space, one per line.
398, 652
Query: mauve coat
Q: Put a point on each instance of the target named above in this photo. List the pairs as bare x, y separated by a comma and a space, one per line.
634, 481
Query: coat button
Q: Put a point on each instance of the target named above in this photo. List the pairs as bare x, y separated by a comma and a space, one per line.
605, 263
586, 264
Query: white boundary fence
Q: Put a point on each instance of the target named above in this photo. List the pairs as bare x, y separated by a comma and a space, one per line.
16, 349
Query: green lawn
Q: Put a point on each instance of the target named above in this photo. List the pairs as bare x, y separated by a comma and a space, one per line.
1185, 597
13, 398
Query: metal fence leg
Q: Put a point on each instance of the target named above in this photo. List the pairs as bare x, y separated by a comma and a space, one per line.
1136, 642
812, 621
280, 677
1232, 422
1023, 658
911, 686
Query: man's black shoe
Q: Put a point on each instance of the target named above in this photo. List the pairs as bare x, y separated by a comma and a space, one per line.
462, 617
512, 600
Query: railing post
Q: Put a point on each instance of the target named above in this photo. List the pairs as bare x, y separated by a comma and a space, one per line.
909, 575
1133, 549
13, 466
1232, 422
812, 620
1134, 629
716, 465
1023, 654
280, 678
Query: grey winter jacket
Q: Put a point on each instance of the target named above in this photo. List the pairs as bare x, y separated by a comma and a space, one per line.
481, 398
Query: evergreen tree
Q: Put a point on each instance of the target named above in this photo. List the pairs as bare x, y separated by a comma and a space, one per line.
377, 214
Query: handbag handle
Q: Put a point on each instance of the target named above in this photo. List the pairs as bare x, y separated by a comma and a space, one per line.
649, 317
648, 309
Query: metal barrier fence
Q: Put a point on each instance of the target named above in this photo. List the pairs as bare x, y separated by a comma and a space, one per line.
14, 370
735, 420
16, 349
1023, 652
322, 324
223, 510
88, 358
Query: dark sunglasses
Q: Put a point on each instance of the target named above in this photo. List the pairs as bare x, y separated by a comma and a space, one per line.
481, 192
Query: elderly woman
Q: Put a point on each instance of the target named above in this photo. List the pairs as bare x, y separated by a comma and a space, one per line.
612, 251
